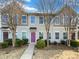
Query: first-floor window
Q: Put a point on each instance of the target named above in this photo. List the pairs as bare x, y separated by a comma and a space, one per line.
41, 35
49, 35
65, 35
23, 35
57, 35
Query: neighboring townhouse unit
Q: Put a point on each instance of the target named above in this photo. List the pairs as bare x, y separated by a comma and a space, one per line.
31, 26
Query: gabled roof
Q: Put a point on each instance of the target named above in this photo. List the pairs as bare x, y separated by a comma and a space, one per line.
67, 10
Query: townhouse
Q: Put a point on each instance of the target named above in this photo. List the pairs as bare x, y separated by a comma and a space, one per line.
32, 27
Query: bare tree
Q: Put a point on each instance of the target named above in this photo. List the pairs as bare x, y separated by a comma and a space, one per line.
71, 23
9, 8
46, 7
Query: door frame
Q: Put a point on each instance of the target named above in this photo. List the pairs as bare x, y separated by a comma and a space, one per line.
7, 35
34, 38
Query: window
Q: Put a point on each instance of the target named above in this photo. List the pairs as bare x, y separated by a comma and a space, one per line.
40, 35
23, 19
32, 19
57, 20
16, 19
16, 35
23, 35
49, 35
65, 35
41, 20
57, 35
4, 18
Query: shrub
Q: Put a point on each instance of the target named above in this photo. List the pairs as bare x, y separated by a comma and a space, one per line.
55, 43
4, 44
74, 43
25, 41
63, 42
40, 44
19, 43
46, 42
9, 41
39, 39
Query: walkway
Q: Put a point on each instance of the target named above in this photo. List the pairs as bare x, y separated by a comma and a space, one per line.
28, 52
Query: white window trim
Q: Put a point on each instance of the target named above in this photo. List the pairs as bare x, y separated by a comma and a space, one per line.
25, 32
30, 20
39, 20
22, 22
59, 35
63, 35
17, 19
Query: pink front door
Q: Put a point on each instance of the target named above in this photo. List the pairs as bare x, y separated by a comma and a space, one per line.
33, 36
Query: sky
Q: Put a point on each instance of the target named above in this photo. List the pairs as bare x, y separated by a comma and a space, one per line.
30, 5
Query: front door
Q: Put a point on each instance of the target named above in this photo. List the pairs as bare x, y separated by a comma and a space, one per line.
5, 35
33, 36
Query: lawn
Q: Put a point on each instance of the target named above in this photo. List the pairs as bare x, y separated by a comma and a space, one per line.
12, 53
56, 52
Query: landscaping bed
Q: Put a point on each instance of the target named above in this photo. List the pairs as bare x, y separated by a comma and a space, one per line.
12, 53
55, 52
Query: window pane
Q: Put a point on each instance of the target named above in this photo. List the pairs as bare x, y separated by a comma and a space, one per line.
56, 35
41, 35
32, 19
41, 20
23, 35
16, 19
49, 35
65, 35
23, 19
5, 18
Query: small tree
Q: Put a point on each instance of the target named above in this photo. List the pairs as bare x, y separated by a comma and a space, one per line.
10, 10
46, 7
70, 27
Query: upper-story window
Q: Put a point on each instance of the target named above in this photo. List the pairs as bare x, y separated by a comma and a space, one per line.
16, 19
41, 20
24, 19
32, 19
56, 20
4, 18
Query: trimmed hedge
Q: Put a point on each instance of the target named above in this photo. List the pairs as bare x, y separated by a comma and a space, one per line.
4, 45
22, 42
9, 41
63, 42
25, 41
19, 43
40, 44
55, 43
46, 42
74, 43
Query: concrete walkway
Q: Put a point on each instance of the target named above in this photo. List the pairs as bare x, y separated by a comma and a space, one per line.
28, 52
